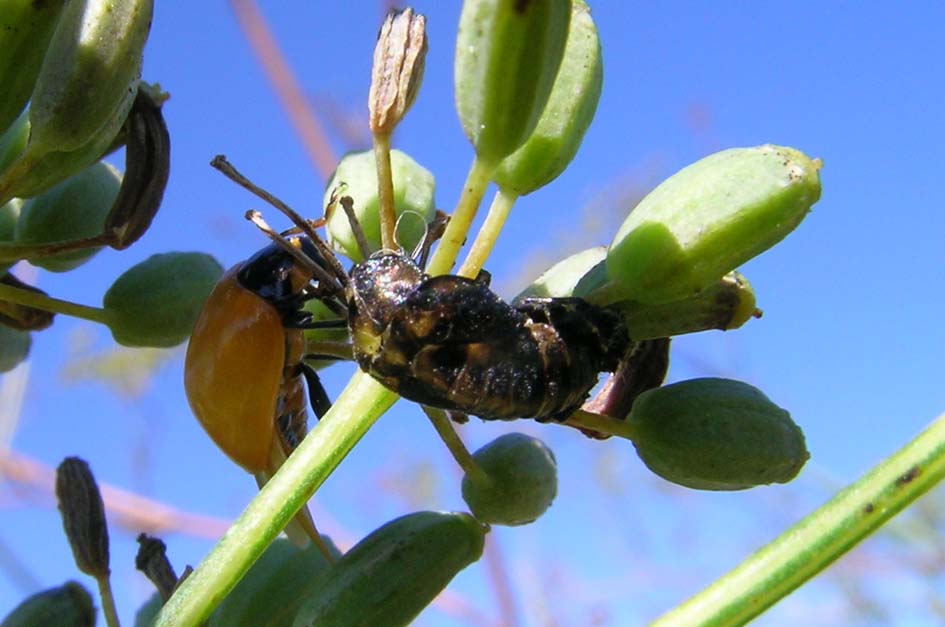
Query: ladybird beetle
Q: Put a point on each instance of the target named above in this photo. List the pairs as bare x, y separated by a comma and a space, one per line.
243, 373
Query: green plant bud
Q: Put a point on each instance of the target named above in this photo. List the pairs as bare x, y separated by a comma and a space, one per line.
390, 576
13, 141
9, 214
273, 590
94, 59
69, 605
507, 56
708, 218
14, 347
25, 29
32, 174
567, 115
147, 614
83, 516
74, 209
561, 279
716, 434
156, 302
725, 305
523, 482
356, 176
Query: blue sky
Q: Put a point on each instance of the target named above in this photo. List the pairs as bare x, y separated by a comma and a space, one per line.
850, 341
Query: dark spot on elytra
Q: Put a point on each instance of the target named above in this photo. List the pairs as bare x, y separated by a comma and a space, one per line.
868, 508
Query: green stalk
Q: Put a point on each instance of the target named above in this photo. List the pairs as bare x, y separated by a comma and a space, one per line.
477, 181
385, 191
819, 539
447, 432
358, 407
108, 601
29, 298
485, 240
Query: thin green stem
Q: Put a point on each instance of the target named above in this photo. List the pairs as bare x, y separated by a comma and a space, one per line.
602, 424
477, 181
108, 601
385, 190
485, 240
15, 251
446, 431
29, 298
819, 539
358, 407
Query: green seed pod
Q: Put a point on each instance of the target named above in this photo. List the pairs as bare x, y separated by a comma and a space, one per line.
274, 589
709, 218
561, 279
356, 176
14, 347
523, 482
716, 434
74, 209
9, 214
390, 576
69, 605
507, 56
566, 117
93, 60
14, 140
31, 174
147, 614
156, 302
25, 29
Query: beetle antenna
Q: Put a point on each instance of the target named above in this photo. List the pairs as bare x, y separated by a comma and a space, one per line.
228, 170
319, 272
347, 204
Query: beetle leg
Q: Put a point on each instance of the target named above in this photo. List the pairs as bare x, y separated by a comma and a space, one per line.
317, 396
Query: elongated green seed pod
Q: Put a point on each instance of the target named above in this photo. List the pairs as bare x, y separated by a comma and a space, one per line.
507, 56
94, 58
395, 572
156, 302
25, 29
74, 209
70, 604
716, 434
567, 115
356, 176
709, 218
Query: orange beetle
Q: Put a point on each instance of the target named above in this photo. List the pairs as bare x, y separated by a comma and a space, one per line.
244, 373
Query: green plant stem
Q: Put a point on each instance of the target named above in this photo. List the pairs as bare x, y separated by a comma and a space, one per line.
358, 407
819, 539
29, 298
446, 431
108, 601
485, 240
602, 424
15, 251
477, 181
385, 190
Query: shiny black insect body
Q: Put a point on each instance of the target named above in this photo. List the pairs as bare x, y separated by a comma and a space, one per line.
451, 342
